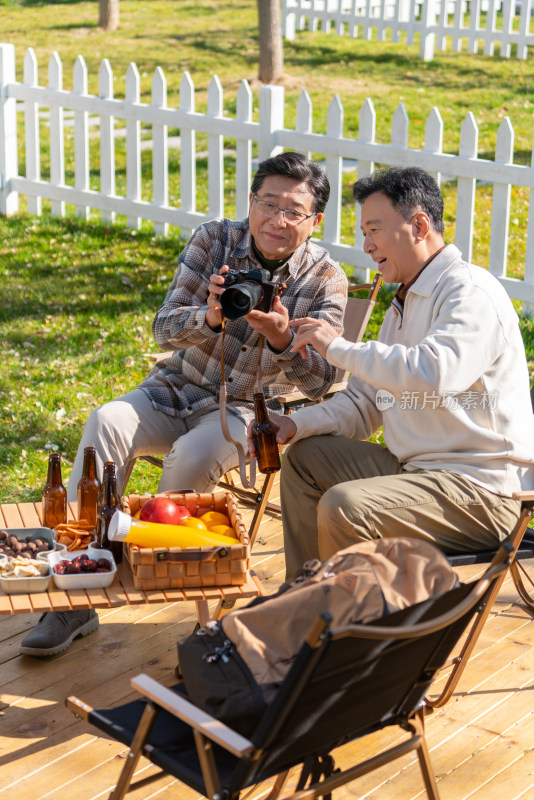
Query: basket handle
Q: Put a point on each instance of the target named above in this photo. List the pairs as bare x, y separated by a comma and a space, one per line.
188, 554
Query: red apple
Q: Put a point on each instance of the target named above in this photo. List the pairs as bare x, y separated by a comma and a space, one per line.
163, 510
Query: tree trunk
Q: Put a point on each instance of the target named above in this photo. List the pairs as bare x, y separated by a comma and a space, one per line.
271, 63
109, 15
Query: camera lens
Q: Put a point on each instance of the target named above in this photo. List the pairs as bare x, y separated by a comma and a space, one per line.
238, 300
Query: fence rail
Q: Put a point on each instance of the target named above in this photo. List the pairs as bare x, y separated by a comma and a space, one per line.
146, 196
454, 23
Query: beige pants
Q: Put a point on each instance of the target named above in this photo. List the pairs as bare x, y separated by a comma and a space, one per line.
337, 491
196, 454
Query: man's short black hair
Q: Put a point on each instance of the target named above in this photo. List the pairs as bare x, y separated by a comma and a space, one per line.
298, 167
409, 188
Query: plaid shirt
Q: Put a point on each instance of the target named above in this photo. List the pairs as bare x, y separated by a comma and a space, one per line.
189, 381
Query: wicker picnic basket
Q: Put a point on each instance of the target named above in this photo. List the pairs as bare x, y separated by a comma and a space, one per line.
191, 567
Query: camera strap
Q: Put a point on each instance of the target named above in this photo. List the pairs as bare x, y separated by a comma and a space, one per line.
247, 483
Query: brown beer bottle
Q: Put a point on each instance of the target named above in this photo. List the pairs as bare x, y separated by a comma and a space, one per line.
88, 487
264, 435
108, 504
54, 495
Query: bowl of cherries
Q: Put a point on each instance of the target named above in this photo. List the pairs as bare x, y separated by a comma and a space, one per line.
88, 569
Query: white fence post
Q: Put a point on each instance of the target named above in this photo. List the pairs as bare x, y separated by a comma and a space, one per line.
465, 199
428, 38
9, 200
399, 126
367, 134
434, 136
304, 118
500, 207
107, 138
289, 21
243, 153
271, 120
81, 136
215, 152
528, 308
334, 167
133, 144
31, 131
57, 134
188, 162
160, 156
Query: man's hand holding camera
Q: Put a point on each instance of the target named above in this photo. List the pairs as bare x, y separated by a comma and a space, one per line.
273, 324
214, 315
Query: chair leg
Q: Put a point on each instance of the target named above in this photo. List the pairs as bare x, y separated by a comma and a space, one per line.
136, 750
207, 764
260, 508
203, 614
520, 576
127, 474
424, 760
460, 662
276, 789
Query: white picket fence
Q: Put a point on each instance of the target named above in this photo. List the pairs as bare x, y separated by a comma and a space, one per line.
147, 197
453, 23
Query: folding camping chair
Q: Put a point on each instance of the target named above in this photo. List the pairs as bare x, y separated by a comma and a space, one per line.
343, 685
521, 543
357, 314
521, 547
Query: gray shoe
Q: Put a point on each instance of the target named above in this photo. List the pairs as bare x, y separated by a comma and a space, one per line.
55, 631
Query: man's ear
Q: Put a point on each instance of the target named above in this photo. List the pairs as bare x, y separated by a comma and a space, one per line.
422, 226
317, 220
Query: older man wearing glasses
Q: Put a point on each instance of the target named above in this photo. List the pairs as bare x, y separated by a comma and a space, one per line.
175, 412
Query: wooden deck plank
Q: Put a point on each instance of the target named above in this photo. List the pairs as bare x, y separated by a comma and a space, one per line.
481, 742
29, 515
12, 518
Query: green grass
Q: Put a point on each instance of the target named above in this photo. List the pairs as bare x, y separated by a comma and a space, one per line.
78, 298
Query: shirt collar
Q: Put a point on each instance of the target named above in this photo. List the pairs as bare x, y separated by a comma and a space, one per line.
403, 288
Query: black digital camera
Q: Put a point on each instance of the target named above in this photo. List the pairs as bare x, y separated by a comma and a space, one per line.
245, 291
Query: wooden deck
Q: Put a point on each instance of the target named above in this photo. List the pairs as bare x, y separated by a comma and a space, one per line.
482, 742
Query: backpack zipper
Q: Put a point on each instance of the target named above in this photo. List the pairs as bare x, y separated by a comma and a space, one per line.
223, 652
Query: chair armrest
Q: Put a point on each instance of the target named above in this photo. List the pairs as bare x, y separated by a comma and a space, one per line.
180, 707
525, 496
296, 397
158, 356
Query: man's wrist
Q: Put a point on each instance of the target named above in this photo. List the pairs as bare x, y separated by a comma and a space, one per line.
213, 320
278, 345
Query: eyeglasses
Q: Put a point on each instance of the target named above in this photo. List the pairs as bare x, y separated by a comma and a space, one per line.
291, 215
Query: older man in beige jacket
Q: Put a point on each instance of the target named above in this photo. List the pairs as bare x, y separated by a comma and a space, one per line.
448, 381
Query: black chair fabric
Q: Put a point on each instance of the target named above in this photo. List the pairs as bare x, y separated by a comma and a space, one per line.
524, 551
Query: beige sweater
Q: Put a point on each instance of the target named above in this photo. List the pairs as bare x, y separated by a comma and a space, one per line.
447, 379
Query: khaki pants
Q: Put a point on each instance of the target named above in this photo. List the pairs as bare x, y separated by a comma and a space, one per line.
196, 454
336, 491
